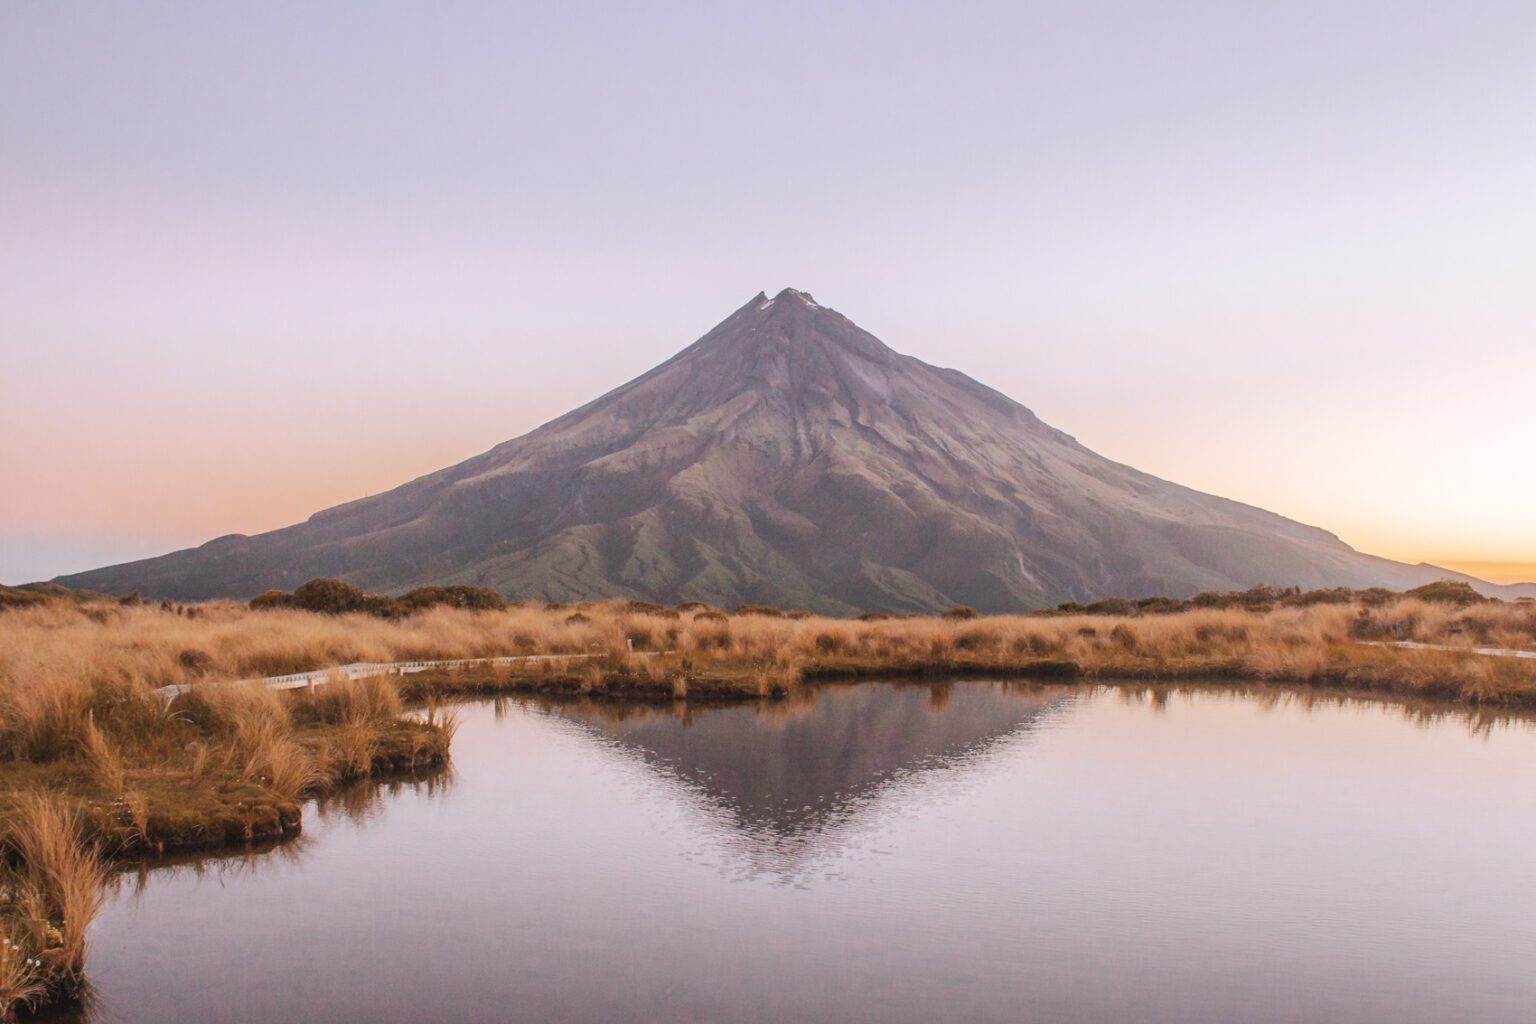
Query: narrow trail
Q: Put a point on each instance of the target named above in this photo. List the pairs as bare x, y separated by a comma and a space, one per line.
1414, 645
360, 669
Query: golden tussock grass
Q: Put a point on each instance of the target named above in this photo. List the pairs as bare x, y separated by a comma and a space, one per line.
79, 716
59, 661
52, 884
126, 771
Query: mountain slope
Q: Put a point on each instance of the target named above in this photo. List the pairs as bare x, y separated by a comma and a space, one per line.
787, 457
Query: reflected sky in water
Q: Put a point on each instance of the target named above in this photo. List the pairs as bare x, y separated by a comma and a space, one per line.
881, 852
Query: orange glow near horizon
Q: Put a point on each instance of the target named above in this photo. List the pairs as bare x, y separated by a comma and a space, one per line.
269, 259
1493, 572
128, 499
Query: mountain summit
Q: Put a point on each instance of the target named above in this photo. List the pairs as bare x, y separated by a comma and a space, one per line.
790, 458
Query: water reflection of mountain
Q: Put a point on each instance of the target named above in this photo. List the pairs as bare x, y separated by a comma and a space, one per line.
787, 779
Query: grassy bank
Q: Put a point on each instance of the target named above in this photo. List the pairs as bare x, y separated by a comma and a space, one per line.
61, 662
93, 757
51, 883
96, 767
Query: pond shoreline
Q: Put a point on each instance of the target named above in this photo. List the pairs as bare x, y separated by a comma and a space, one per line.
725, 798
122, 710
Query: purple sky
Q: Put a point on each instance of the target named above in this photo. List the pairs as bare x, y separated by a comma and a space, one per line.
260, 259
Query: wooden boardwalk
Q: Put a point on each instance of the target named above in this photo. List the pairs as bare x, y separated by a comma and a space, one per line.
1489, 652
361, 669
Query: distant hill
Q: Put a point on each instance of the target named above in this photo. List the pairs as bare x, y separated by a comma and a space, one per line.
790, 458
38, 593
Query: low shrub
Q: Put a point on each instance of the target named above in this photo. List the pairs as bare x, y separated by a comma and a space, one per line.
458, 596
1446, 592
1159, 606
642, 607
329, 597
1111, 606
334, 597
271, 599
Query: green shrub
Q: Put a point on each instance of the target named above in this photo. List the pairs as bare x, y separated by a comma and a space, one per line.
1338, 595
1159, 606
458, 596
381, 606
643, 607
1447, 592
330, 597
1111, 606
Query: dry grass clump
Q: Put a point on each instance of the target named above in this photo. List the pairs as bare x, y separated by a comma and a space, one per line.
1481, 624
224, 762
103, 757
360, 714
51, 884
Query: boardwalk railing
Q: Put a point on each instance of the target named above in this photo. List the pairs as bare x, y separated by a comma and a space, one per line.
1489, 652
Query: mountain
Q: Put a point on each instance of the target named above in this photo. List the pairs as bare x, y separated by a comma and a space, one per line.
789, 458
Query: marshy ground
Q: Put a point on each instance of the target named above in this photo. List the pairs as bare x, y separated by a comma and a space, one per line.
95, 765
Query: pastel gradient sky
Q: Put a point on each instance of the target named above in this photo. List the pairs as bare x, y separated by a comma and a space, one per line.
259, 259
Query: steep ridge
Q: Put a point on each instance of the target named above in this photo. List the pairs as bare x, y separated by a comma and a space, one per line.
786, 457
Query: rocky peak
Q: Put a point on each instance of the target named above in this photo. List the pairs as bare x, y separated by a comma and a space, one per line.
787, 457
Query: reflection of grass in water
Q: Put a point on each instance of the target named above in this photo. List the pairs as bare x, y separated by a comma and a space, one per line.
222, 865
357, 804
1479, 720
361, 801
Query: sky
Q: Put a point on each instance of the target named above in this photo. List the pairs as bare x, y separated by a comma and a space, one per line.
257, 260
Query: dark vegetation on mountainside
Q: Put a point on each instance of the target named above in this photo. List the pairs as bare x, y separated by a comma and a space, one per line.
335, 597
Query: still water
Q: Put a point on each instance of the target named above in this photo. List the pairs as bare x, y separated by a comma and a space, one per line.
892, 853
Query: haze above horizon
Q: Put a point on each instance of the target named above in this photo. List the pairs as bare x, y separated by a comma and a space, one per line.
258, 262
